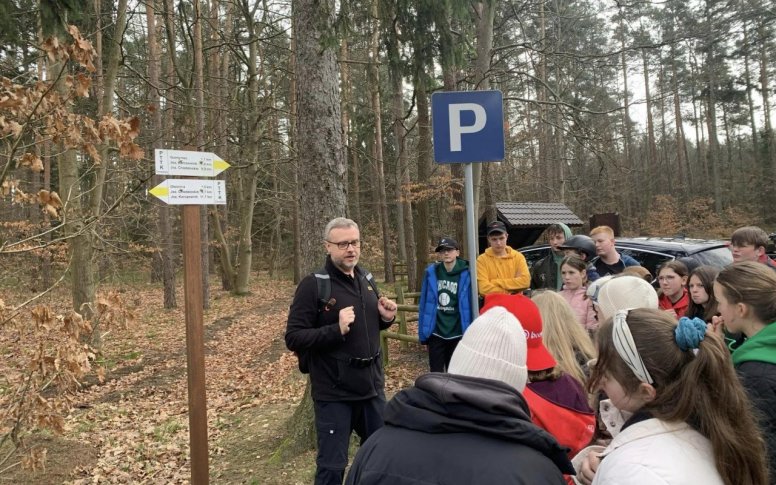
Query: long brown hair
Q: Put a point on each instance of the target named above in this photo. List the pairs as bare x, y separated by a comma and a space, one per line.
701, 390
706, 275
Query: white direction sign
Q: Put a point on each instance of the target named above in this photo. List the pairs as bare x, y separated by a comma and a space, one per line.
191, 192
188, 163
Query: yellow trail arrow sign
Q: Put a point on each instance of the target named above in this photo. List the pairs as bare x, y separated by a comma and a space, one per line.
191, 192
188, 163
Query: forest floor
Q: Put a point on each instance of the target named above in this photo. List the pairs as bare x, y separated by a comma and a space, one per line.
133, 427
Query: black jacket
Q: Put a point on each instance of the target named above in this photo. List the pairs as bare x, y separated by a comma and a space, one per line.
544, 274
451, 429
333, 373
759, 380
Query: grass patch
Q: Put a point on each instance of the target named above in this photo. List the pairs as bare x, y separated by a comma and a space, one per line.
167, 429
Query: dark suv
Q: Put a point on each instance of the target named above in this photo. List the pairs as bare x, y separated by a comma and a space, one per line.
651, 252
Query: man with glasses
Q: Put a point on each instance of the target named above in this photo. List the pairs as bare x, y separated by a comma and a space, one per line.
445, 304
341, 338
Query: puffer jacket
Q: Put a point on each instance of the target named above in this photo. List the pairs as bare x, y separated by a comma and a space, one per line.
582, 306
755, 362
656, 452
427, 312
458, 430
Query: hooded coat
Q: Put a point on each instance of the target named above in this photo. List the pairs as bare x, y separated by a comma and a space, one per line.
452, 429
755, 362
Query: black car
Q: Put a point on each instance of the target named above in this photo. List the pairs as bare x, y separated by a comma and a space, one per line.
651, 252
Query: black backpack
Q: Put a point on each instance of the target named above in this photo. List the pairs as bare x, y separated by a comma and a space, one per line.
323, 281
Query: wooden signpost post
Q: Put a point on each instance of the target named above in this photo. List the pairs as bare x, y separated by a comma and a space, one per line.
191, 193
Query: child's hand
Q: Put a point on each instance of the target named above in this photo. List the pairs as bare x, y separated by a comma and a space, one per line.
717, 326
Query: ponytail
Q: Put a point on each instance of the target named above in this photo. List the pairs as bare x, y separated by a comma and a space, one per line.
697, 385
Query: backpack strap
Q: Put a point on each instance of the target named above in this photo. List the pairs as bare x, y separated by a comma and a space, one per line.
371, 280
323, 281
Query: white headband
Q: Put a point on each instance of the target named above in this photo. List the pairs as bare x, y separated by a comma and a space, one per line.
626, 347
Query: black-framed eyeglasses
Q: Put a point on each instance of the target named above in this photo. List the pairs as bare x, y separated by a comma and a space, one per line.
343, 245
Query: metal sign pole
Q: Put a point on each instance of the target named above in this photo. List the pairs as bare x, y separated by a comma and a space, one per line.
471, 238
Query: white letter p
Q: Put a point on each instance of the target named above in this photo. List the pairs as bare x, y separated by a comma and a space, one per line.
456, 130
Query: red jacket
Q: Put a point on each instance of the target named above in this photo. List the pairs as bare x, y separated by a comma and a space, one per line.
560, 407
680, 307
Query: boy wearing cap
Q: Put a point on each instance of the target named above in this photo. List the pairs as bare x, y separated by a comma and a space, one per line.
445, 304
468, 426
501, 269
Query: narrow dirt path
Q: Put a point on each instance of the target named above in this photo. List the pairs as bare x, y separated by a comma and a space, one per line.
133, 428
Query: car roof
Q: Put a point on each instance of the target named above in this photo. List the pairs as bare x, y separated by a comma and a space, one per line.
669, 245
673, 245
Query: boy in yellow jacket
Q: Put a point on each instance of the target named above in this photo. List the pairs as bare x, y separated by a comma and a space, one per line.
501, 269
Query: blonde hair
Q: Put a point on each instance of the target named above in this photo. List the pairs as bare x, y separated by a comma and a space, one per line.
602, 229
562, 334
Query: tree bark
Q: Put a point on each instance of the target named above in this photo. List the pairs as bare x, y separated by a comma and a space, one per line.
374, 80
199, 115
321, 168
163, 213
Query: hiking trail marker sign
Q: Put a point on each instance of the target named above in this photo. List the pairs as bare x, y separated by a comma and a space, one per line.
188, 163
191, 194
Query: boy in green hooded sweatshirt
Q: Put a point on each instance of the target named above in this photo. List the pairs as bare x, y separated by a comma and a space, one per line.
746, 296
444, 311
545, 274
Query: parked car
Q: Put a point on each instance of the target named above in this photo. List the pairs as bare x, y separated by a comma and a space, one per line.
651, 252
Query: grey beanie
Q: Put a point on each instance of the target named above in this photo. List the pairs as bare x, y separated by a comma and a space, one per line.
493, 347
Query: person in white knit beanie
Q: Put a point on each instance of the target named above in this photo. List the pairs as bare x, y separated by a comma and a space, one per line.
494, 347
469, 425
623, 293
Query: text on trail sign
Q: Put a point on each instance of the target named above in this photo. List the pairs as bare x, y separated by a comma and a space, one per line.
191, 192
468, 126
188, 163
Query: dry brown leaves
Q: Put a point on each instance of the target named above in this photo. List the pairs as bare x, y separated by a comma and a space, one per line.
138, 416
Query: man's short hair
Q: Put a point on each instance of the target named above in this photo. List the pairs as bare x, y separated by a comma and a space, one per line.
554, 229
744, 236
602, 229
338, 223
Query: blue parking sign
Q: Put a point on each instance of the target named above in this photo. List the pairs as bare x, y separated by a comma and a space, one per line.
468, 126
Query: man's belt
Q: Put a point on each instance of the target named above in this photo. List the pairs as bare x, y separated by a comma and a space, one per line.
360, 363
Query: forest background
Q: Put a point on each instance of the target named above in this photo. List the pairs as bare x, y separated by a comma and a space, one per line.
322, 109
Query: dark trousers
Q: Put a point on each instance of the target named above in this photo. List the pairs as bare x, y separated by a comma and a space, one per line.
334, 422
440, 351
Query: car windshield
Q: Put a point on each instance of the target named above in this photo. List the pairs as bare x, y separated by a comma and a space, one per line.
649, 259
719, 257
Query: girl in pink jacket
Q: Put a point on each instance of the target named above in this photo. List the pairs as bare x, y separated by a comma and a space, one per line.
573, 271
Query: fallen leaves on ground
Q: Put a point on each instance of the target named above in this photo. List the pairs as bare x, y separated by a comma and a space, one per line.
138, 418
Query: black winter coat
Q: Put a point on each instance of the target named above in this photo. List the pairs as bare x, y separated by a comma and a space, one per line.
759, 380
452, 429
544, 274
333, 374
